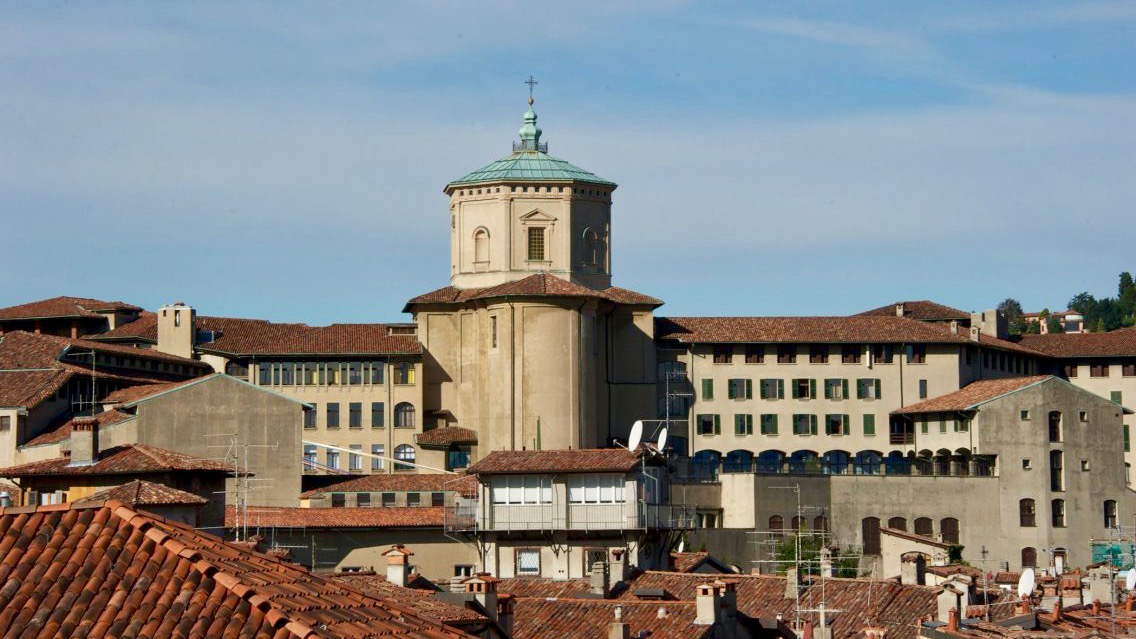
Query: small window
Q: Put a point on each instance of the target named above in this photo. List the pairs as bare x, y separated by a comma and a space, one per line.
1128, 369
835, 389
1071, 370
1027, 513
818, 354
437, 499
363, 500
773, 389
463, 570
1110, 520
404, 457
404, 415
916, 354
338, 500
709, 425
836, 425
922, 389
309, 419
707, 389
354, 459
1098, 370
1084, 465
1024, 415
786, 354
850, 354
404, 373
355, 415
528, 563
413, 499
378, 414
868, 388
1083, 416
740, 389
388, 500
1027, 464
723, 354
378, 461
804, 389
768, 424
1058, 513
754, 355
1117, 397
1029, 557
333, 414
481, 245
743, 424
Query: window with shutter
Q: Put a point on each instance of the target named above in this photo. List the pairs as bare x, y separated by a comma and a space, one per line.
707, 389
869, 425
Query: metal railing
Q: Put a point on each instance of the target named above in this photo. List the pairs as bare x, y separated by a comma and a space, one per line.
469, 517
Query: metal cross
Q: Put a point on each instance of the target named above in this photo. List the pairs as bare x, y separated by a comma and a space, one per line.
531, 82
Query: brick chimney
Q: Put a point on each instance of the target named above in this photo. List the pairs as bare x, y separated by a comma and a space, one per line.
706, 604
84, 441
599, 581
398, 564
953, 620
483, 587
617, 629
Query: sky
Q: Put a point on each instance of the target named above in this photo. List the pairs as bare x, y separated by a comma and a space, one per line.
286, 160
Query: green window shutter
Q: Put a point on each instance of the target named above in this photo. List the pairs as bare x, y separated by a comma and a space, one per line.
869, 424
812, 389
774, 424
796, 390
749, 389
780, 389
878, 389
717, 424
827, 389
812, 424
762, 391
730, 389
1127, 440
707, 389
942, 424
844, 389
1117, 397
846, 425
860, 389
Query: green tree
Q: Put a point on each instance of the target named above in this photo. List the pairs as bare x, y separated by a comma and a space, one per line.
1126, 296
1015, 317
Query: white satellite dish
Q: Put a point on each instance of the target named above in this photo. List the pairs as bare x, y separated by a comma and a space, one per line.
662, 438
1026, 583
681, 545
636, 435
1130, 580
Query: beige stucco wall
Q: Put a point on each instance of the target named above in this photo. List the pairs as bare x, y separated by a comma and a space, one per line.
1105, 386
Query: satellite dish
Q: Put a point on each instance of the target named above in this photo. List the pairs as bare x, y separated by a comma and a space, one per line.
662, 438
1026, 583
636, 435
1130, 580
681, 545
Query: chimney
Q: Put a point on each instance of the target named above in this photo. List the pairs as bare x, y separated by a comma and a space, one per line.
706, 605
483, 587
84, 441
875, 632
176, 330
1128, 603
1057, 610
899, 310
826, 562
505, 605
953, 620
599, 582
1096, 607
618, 568
975, 332
398, 564
954, 327
792, 584
457, 584
617, 629
727, 600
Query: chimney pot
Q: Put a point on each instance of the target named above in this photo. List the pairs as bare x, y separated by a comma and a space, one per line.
953, 620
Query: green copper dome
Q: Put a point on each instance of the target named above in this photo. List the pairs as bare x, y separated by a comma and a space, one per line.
530, 162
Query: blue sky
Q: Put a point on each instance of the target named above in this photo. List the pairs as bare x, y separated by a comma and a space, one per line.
286, 160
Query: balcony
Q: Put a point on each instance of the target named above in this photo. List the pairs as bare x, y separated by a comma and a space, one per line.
573, 517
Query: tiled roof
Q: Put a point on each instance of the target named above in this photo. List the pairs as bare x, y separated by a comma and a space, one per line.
910, 536
688, 561
590, 618
1121, 343
857, 329
401, 482
972, 395
129, 459
20, 349
862, 602
924, 310
585, 460
234, 336
537, 285
420, 602
447, 435
101, 570
30, 387
545, 587
135, 393
147, 493
63, 307
265, 517
62, 431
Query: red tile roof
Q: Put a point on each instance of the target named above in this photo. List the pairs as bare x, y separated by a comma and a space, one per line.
62, 431
544, 587
586, 460
235, 336
132, 394
447, 435
401, 482
147, 493
129, 459
420, 602
101, 570
265, 517
972, 395
538, 285
923, 310
20, 349
862, 602
688, 561
1121, 343
28, 388
590, 618
63, 307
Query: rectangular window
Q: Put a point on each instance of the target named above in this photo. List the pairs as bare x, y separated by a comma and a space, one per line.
786, 354
869, 425
355, 415
492, 331
755, 354
804, 424
1098, 370
723, 354
355, 460
709, 425
338, 500
922, 389
818, 354
868, 388
1117, 397
768, 424
1128, 369
528, 563
916, 353
740, 389
773, 389
333, 414
413, 500
404, 373
1024, 415
1071, 370
363, 500
942, 424
376, 372
836, 425
883, 353
707, 389
521, 489
309, 457
743, 424
536, 244
836, 389
377, 462
355, 373
437, 499
923, 424
850, 354
388, 500
333, 459
378, 414
804, 388
596, 489
264, 377
310, 416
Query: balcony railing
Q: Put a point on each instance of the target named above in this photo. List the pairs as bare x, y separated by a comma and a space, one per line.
468, 517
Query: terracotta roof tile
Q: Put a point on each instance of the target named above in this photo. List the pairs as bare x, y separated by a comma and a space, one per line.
112, 571
543, 587
589, 618
30, 387
401, 482
537, 285
970, 396
63, 307
21, 346
446, 435
146, 493
265, 517
62, 431
508, 462
135, 393
237, 336
420, 602
688, 561
923, 310
1121, 343
128, 459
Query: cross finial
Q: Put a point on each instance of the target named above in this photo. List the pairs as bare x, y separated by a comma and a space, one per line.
531, 82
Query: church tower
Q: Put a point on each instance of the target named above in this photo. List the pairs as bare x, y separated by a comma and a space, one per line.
530, 212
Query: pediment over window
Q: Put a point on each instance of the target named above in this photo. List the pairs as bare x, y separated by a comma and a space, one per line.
537, 216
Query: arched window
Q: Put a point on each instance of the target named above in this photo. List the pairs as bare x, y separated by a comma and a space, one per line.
777, 525
1027, 513
1055, 426
820, 523
404, 415
799, 525
924, 526
481, 245
870, 533
1029, 557
949, 527
1110, 519
898, 523
404, 453
591, 248
704, 464
1058, 511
